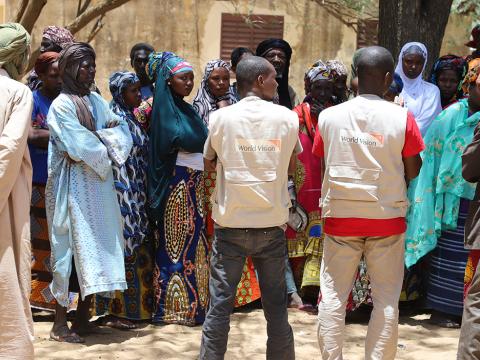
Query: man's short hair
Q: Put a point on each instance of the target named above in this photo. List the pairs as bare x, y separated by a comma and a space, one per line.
249, 69
140, 46
375, 61
237, 54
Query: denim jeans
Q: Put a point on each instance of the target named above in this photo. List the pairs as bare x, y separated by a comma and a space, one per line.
230, 248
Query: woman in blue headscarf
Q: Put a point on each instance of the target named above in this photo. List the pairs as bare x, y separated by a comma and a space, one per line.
176, 191
131, 187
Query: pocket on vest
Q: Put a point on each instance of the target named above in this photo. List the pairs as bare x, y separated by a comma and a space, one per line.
353, 183
251, 187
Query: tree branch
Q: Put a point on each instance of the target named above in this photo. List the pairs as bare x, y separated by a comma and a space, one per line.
22, 5
82, 8
93, 12
31, 13
96, 28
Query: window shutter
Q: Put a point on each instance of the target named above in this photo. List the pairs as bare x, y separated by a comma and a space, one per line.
247, 31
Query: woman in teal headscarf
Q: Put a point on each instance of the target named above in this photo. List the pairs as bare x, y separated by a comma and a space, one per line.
439, 202
175, 191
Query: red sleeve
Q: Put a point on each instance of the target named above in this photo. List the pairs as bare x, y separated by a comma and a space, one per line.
413, 138
318, 148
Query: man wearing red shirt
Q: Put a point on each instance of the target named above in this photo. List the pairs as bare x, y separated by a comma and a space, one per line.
371, 148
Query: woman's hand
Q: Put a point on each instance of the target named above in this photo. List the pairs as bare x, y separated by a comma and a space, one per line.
316, 107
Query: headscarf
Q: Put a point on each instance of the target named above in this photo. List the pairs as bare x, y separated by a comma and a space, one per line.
421, 98
14, 49
470, 78
337, 68
396, 86
58, 35
450, 62
68, 64
262, 49
175, 126
44, 60
319, 71
117, 83
205, 103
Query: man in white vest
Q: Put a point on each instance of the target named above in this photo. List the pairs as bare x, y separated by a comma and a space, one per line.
251, 144
371, 149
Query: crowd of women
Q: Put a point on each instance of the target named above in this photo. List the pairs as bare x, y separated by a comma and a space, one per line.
141, 252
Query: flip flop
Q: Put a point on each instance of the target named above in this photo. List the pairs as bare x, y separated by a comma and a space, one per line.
71, 338
116, 323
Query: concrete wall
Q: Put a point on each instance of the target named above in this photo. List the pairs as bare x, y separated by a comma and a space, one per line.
191, 28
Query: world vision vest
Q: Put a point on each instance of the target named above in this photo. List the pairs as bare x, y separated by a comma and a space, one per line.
254, 140
364, 175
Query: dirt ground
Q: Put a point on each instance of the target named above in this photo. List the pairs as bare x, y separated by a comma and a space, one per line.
417, 340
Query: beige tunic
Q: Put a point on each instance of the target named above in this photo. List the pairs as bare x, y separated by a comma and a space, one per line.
16, 333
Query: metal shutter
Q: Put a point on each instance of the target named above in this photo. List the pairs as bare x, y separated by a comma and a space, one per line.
247, 31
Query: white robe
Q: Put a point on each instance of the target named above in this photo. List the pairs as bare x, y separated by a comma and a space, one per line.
16, 325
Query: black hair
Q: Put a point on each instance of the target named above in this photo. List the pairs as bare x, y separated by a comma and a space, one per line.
374, 62
237, 54
140, 46
250, 69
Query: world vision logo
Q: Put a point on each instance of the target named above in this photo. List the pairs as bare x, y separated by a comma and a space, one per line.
258, 145
370, 139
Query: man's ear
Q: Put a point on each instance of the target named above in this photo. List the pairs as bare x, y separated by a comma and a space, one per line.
260, 80
388, 80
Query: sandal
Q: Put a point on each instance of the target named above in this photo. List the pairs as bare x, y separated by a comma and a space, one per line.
67, 337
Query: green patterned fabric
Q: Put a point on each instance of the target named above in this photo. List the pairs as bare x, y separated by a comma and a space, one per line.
435, 194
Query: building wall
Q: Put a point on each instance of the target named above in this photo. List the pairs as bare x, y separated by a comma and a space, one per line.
191, 28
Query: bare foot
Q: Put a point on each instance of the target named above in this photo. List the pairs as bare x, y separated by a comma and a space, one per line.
64, 334
294, 300
117, 323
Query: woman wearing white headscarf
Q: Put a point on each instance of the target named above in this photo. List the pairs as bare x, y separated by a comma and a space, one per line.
421, 98
16, 104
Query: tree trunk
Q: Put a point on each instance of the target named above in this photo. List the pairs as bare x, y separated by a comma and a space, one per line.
31, 13
402, 21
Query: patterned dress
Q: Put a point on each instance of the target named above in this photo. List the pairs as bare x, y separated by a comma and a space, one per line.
40, 297
181, 268
135, 303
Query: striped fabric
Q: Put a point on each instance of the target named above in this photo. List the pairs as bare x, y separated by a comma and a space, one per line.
447, 269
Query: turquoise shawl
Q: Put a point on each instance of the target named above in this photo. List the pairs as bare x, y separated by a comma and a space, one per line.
174, 125
435, 194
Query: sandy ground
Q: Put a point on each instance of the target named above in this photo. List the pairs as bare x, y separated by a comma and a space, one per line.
417, 340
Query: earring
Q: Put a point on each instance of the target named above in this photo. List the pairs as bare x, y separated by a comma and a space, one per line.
169, 83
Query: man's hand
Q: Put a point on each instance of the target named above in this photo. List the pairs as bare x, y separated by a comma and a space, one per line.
210, 165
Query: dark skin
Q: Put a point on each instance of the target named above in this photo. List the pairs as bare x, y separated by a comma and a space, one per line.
321, 92
51, 87
182, 84
218, 83
412, 65
140, 60
81, 325
340, 87
49, 45
447, 83
474, 96
132, 95
377, 83
278, 59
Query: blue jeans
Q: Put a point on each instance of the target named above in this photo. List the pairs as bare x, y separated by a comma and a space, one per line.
229, 251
